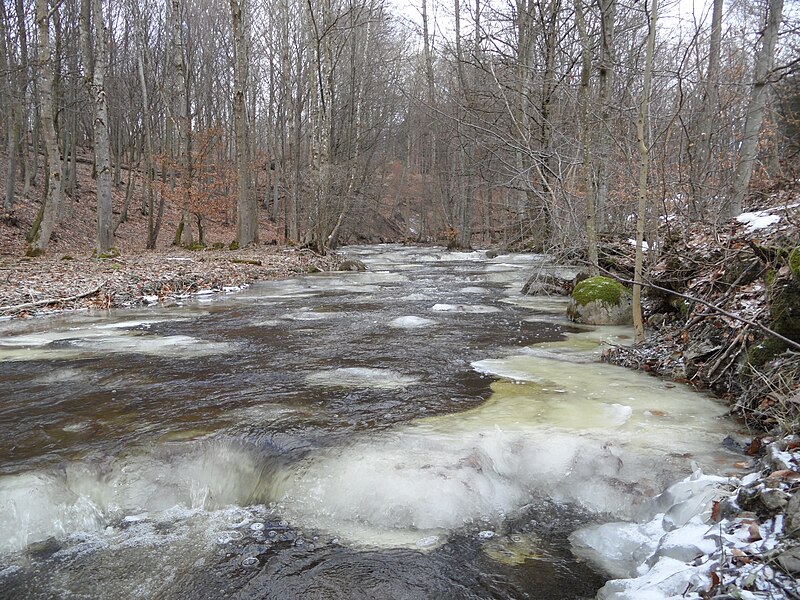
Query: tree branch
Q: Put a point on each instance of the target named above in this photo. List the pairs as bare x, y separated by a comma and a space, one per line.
713, 307
17, 307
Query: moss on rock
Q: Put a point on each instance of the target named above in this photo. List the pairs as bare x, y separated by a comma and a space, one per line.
110, 253
784, 307
760, 354
600, 301
794, 262
599, 288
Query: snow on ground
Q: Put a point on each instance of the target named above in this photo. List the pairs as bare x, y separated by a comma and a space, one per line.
763, 219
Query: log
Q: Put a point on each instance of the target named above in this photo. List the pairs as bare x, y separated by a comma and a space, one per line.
39, 303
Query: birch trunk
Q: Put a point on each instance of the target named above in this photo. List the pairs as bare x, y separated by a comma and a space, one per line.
95, 82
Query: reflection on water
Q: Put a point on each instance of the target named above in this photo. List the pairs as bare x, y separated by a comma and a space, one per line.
417, 431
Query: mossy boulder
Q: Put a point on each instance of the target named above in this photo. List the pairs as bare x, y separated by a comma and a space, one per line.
784, 307
764, 351
600, 301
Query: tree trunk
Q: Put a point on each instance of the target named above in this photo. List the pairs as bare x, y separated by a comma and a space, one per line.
708, 111
54, 197
644, 167
6, 97
586, 70
95, 71
755, 107
246, 203
608, 11
181, 119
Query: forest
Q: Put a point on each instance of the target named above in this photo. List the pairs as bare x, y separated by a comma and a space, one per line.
530, 124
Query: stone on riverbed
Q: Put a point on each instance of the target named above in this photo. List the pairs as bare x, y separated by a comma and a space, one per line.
600, 301
353, 265
548, 284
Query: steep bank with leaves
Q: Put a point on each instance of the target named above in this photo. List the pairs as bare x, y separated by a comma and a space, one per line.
723, 308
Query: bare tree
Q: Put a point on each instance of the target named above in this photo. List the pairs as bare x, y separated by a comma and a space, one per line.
181, 118
644, 169
46, 221
757, 102
95, 62
246, 204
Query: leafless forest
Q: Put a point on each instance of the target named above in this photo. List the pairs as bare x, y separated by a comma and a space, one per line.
525, 123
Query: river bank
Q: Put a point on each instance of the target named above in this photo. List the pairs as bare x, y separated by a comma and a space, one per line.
715, 298
45, 285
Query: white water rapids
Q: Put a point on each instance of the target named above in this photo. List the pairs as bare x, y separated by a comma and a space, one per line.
557, 425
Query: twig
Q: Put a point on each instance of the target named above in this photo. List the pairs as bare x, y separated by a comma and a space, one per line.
38, 303
713, 307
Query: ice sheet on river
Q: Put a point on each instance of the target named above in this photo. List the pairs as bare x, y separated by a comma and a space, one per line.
120, 337
593, 435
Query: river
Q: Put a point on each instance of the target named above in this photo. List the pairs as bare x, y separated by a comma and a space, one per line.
421, 430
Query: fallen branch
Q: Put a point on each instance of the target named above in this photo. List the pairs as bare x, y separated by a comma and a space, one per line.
713, 307
40, 303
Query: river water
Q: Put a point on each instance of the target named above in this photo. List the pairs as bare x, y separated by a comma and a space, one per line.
420, 430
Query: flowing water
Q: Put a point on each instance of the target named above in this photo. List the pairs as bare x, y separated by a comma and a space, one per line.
420, 430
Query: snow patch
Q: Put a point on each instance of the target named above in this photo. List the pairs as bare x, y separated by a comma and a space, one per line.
757, 220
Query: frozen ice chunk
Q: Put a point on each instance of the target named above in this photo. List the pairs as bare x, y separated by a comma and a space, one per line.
411, 322
685, 543
617, 548
668, 579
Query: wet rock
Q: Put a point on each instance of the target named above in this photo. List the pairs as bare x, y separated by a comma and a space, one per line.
792, 521
600, 301
352, 265
547, 284
774, 499
700, 348
790, 561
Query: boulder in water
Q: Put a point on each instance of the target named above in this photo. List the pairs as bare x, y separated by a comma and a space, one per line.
600, 301
547, 284
352, 265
